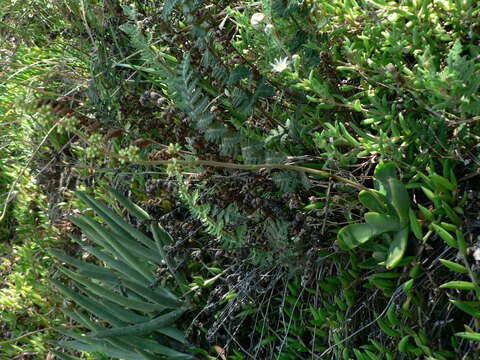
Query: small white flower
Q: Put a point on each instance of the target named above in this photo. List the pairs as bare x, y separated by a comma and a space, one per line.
280, 64
256, 20
268, 29
476, 254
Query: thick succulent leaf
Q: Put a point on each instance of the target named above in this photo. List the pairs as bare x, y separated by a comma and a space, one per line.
397, 248
119, 344
138, 249
352, 236
384, 172
399, 199
373, 200
382, 223
124, 314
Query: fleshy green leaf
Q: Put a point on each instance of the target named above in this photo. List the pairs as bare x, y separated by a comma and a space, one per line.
469, 335
352, 236
466, 307
397, 248
454, 266
458, 285
373, 200
382, 223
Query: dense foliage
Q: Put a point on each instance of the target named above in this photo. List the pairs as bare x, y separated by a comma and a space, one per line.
283, 179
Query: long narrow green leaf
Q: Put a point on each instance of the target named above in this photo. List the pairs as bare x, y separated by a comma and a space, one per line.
124, 270
166, 299
120, 250
90, 233
466, 307
119, 343
115, 221
469, 335
132, 208
91, 346
111, 295
90, 270
140, 250
63, 356
162, 235
79, 318
124, 314
143, 328
88, 304
157, 235
454, 266
445, 235
458, 285
155, 347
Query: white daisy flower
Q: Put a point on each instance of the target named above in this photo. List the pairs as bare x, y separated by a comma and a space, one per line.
280, 64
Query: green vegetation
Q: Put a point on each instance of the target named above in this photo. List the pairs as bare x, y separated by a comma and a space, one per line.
283, 179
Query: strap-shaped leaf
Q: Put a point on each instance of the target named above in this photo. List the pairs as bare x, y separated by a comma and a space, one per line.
90, 233
157, 235
143, 328
467, 307
120, 249
92, 345
162, 235
132, 208
123, 313
157, 348
112, 295
124, 270
138, 249
63, 356
165, 298
119, 343
89, 270
117, 223
88, 304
